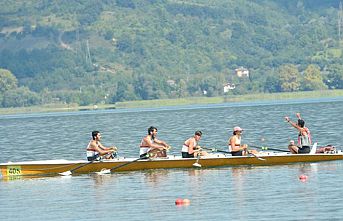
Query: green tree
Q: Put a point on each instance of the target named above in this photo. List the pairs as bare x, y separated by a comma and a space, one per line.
7, 81
289, 78
272, 84
181, 88
334, 78
125, 91
20, 97
313, 79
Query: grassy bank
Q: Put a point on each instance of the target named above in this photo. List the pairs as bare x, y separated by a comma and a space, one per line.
54, 108
230, 98
176, 102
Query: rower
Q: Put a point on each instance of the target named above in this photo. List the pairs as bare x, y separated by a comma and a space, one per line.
153, 146
96, 150
190, 148
236, 147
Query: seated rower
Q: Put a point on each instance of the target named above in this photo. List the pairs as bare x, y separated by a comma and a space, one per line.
152, 146
190, 148
235, 146
292, 146
95, 149
327, 149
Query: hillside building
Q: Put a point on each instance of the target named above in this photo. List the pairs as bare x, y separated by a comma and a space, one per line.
242, 72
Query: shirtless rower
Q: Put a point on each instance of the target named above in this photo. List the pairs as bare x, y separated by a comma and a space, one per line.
150, 144
96, 149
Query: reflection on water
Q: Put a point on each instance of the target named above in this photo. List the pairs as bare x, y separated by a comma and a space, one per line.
100, 180
154, 178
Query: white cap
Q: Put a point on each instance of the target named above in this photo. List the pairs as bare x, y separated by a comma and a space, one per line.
237, 129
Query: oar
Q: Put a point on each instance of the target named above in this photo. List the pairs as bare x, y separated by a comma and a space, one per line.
216, 150
268, 148
256, 156
69, 172
223, 151
108, 171
197, 164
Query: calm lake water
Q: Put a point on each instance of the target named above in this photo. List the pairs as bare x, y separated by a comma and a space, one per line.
240, 193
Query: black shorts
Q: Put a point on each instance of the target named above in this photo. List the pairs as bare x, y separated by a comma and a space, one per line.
304, 149
93, 157
237, 153
144, 156
187, 155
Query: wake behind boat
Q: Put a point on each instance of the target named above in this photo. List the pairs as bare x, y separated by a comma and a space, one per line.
55, 167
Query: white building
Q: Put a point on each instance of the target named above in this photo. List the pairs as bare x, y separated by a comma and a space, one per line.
228, 86
242, 72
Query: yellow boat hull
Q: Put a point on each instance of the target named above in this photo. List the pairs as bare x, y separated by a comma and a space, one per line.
54, 167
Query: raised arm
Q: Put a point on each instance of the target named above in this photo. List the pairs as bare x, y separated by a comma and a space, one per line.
292, 123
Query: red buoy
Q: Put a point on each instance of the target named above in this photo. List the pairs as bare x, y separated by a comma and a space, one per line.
303, 177
178, 201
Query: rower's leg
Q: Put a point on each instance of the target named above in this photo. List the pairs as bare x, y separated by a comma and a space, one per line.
294, 149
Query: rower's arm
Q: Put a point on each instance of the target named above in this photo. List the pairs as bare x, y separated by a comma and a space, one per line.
108, 148
156, 143
101, 149
191, 147
161, 142
292, 123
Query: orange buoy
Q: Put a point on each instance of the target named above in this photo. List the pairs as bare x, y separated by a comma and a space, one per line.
186, 202
178, 201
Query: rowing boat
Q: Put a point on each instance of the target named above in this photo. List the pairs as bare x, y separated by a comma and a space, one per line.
54, 167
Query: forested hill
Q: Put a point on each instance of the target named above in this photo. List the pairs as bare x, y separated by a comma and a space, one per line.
103, 51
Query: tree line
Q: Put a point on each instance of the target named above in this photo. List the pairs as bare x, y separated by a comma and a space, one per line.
104, 88
91, 52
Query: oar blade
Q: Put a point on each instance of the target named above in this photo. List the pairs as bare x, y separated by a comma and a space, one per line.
254, 155
103, 172
66, 173
197, 165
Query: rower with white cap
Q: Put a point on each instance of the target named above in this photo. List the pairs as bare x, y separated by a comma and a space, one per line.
235, 145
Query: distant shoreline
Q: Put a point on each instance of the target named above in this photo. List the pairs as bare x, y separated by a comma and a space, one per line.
175, 102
